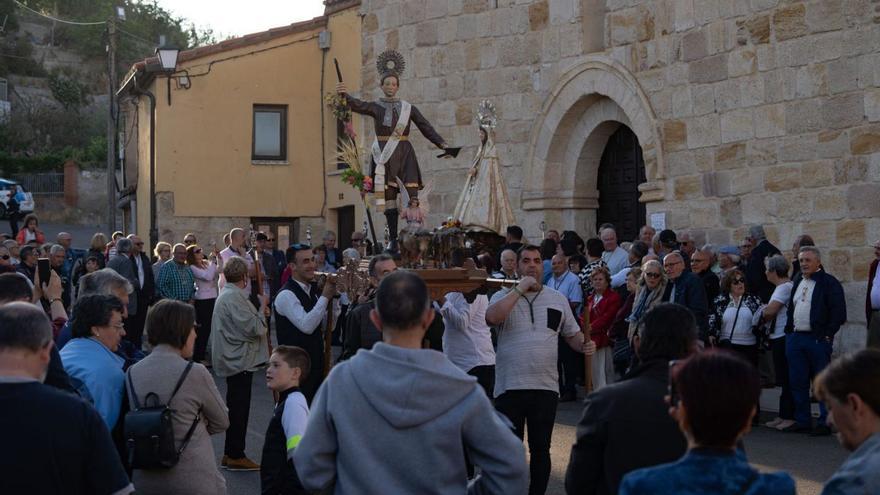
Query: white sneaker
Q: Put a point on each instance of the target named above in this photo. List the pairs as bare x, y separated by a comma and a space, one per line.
785, 423
774, 423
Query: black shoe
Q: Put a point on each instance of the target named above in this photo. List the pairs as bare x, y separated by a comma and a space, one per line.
797, 428
821, 431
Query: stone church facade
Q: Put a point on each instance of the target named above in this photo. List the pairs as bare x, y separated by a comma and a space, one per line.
744, 112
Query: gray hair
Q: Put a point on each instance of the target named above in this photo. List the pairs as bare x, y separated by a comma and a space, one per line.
778, 265
105, 281
351, 253
23, 326
710, 250
56, 249
811, 249
328, 234
10, 243
756, 232
655, 264
123, 246
674, 254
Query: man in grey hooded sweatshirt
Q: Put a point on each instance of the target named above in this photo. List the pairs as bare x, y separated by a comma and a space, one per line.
399, 418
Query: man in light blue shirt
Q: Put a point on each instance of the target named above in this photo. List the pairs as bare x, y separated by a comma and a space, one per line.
565, 282
850, 388
614, 256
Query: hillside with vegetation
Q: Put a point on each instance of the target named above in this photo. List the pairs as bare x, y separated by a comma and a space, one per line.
57, 74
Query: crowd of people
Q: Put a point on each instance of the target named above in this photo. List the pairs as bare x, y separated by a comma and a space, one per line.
427, 396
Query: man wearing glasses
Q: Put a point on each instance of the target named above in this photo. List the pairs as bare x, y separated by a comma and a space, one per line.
357, 242
277, 254
686, 289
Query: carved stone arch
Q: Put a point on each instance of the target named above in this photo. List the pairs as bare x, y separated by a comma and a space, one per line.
591, 100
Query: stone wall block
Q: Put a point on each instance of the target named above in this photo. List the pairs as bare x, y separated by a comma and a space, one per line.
760, 208
766, 57
730, 156
817, 174
435, 9
709, 69
825, 15
851, 170
741, 62
797, 148
862, 200
762, 152
809, 50
751, 90
803, 116
861, 259
705, 11
812, 80
703, 99
790, 22
703, 131
841, 112
851, 233
727, 95
828, 204
839, 265
843, 75
822, 232
782, 178
693, 45
872, 104
674, 135
731, 212
475, 6
682, 102
865, 140
737, 125
539, 14
688, 187
832, 144
754, 30
770, 121
426, 34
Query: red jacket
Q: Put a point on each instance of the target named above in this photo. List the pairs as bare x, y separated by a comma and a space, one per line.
602, 316
871, 274
41, 238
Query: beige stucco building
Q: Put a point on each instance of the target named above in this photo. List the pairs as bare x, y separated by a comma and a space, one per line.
709, 114
246, 139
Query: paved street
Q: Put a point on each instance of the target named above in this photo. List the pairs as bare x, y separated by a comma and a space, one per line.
810, 460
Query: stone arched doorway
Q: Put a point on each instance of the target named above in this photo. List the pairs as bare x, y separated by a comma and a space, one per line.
621, 171
589, 104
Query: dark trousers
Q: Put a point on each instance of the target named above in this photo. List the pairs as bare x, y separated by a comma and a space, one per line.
807, 356
134, 326
780, 369
570, 366
310, 386
537, 410
13, 222
204, 312
238, 400
750, 354
485, 377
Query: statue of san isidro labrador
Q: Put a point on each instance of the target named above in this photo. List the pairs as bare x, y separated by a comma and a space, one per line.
392, 154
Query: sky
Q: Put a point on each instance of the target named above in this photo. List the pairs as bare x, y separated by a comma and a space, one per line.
236, 18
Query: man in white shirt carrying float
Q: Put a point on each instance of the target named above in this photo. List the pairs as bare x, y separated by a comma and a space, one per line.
299, 313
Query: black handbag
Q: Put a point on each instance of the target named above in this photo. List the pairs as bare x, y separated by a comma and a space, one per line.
727, 343
148, 430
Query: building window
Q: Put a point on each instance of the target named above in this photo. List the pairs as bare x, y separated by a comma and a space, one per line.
270, 133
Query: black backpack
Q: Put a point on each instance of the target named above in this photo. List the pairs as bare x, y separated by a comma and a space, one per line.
149, 434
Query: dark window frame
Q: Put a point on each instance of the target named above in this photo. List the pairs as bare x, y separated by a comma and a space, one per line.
267, 108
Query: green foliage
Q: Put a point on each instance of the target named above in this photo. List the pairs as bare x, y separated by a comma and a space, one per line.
68, 90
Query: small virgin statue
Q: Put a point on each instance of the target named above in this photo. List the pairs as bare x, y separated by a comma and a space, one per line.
484, 204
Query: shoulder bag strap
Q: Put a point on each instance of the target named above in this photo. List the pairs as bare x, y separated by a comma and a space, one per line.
189, 433
736, 318
189, 366
131, 392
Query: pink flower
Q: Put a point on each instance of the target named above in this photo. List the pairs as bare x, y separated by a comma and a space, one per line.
349, 130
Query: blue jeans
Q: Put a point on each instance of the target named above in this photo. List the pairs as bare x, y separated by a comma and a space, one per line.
807, 356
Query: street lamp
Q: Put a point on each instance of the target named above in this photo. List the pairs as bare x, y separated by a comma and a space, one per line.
168, 59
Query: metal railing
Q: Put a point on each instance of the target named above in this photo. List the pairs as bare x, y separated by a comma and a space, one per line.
49, 184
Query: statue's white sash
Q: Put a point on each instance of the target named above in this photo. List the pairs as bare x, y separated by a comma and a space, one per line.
382, 155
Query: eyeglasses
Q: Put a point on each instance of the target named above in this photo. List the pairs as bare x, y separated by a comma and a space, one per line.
652, 275
4, 257
189, 241
270, 239
739, 280
357, 240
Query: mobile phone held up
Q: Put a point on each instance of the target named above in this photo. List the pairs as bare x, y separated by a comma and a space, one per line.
673, 393
43, 269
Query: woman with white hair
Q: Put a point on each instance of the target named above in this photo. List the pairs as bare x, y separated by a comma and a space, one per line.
776, 314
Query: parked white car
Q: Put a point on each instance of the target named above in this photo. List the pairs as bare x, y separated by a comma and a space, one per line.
6, 191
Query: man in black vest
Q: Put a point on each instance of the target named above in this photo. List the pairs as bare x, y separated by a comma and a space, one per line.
360, 332
299, 313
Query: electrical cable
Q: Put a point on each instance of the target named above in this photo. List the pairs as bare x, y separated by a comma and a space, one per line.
134, 36
63, 21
